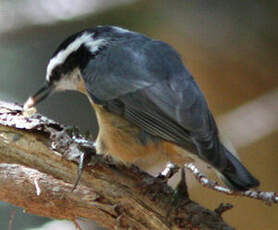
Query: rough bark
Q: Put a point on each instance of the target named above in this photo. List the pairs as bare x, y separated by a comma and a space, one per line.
36, 174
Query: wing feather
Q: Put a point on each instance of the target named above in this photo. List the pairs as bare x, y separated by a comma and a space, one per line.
146, 82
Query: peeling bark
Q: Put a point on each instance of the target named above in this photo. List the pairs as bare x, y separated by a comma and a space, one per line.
38, 165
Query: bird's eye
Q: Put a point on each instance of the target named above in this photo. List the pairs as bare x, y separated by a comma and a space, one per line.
56, 74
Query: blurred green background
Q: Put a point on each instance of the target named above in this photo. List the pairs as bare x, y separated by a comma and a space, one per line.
231, 47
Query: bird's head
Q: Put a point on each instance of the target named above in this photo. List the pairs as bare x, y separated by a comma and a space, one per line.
67, 64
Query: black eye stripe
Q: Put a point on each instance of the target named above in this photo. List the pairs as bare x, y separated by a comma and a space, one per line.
56, 73
81, 56
78, 58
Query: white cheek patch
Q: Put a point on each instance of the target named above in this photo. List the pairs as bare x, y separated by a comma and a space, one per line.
60, 58
66, 84
69, 81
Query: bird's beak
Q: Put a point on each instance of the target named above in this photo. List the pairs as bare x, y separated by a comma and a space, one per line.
39, 96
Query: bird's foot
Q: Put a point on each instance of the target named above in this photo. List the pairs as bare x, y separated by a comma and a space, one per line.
86, 148
170, 170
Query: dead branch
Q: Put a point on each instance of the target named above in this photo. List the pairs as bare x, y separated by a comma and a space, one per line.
36, 174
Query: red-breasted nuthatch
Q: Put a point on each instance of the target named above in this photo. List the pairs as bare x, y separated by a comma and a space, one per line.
146, 101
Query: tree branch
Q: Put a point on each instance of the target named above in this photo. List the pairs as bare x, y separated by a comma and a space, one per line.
268, 197
35, 174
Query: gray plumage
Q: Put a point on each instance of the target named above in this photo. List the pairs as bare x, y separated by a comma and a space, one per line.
146, 82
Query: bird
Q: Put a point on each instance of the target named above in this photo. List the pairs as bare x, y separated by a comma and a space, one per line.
146, 101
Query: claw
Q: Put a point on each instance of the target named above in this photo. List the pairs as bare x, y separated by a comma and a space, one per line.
79, 171
87, 151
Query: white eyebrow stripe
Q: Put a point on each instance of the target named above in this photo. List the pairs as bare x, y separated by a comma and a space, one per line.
121, 30
61, 56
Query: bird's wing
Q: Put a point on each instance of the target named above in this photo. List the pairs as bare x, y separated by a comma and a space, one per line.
151, 88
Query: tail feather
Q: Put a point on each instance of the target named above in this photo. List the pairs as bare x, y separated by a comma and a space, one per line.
212, 150
235, 175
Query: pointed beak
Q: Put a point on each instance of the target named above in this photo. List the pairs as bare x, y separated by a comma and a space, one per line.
39, 96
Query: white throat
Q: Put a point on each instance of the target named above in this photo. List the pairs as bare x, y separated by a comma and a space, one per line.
70, 81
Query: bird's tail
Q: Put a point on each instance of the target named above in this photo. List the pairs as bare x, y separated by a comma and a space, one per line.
235, 174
